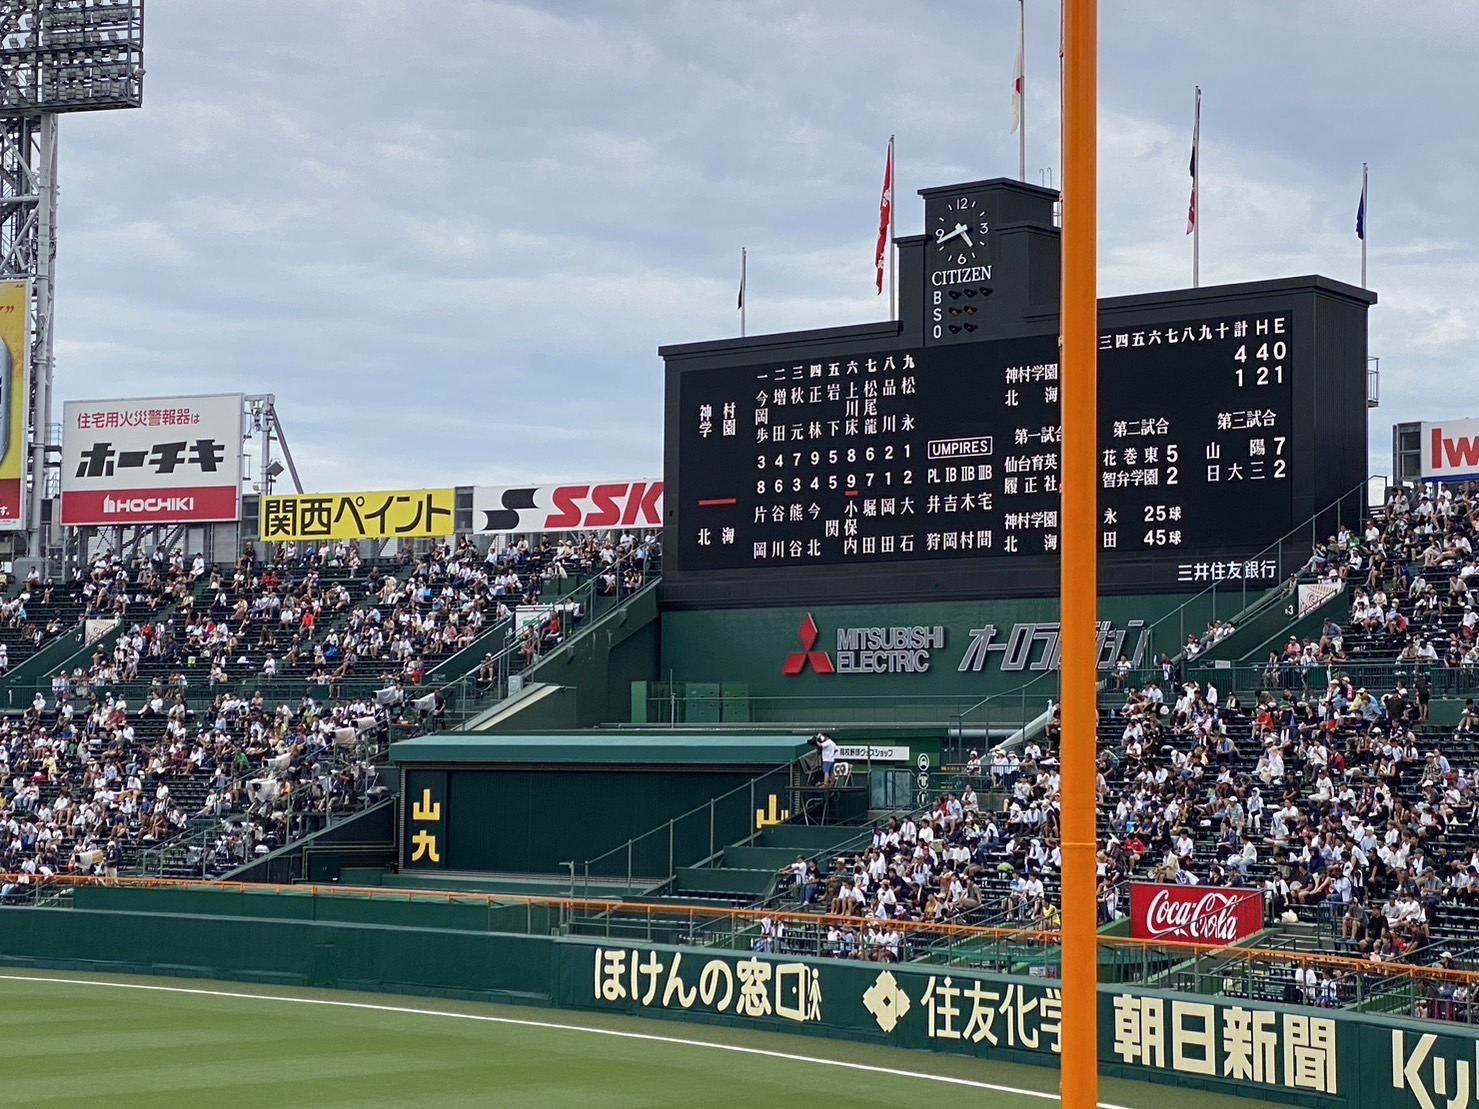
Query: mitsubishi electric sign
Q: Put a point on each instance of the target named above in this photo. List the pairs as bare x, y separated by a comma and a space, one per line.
1032, 646
867, 650
887, 650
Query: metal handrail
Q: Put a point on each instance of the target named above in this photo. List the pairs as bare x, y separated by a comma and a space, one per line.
159, 852
694, 913
465, 697
715, 849
1276, 548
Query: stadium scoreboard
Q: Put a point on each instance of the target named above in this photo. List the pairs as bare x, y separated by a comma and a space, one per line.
937, 452
921, 457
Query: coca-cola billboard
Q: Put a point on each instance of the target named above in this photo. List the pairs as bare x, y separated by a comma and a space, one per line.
1194, 914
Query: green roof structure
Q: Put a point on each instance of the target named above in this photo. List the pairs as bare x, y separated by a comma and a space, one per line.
654, 748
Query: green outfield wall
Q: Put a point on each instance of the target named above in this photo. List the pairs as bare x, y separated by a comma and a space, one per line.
973, 649
1301, 1056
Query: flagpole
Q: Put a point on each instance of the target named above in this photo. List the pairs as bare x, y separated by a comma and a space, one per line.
1196, 193
744, 260
893, 255
1022, 94
885, 243
1365, 219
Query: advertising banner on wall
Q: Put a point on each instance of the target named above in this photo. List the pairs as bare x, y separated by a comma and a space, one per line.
1450, 450
93, 630
1194, 914
151, 460
1314, 594
1294, 1053
579, 506
15, 393
394, 514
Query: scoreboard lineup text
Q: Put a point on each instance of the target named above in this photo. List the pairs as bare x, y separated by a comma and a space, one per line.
950, 452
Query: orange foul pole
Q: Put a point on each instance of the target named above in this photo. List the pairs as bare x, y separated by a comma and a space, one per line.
1080, 554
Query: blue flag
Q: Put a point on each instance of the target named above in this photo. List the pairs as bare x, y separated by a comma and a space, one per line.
1361, 214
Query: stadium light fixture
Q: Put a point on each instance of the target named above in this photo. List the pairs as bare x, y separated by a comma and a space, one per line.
70, 56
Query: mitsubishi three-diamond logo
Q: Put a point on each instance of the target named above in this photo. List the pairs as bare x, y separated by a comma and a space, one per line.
797, 661
887, 1001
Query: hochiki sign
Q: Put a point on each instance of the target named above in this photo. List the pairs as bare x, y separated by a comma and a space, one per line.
151, 460
15, 376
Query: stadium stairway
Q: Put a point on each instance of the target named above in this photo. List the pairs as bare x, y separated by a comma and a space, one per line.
1266, 624
502, 636
617, 617
749, 872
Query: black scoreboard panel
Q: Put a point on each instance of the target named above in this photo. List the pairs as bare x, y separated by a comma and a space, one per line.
953, 452
868, 463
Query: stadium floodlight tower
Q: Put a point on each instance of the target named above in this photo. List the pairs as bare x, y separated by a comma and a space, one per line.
56, 56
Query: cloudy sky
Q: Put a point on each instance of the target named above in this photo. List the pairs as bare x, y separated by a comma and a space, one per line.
449, 235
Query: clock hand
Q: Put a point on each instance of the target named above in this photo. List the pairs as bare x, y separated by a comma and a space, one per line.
959, 230
966, 235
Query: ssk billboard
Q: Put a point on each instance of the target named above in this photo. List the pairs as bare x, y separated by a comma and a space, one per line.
578, 506
151, 460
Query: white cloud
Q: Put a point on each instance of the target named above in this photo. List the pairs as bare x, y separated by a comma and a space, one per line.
451, 236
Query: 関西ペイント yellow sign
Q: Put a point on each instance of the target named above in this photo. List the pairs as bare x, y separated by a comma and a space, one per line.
397, 514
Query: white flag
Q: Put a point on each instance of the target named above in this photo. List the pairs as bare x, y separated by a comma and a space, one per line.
1017, 84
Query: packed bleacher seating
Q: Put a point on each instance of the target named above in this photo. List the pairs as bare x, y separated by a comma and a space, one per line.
1327, 786
1317, 779
223, 712
148, 743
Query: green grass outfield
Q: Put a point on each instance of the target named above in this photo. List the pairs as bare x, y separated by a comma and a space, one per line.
116, 1041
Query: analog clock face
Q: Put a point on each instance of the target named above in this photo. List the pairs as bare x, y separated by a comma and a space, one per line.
959, 233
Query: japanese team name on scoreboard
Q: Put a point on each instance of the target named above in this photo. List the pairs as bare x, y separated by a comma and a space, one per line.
396, 514
151, 460
954, 452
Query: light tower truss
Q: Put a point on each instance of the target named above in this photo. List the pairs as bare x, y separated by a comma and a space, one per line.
56, 56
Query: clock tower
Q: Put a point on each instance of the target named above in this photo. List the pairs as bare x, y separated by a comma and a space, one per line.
966, 267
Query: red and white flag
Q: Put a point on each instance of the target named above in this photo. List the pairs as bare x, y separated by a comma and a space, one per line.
1017, 83
1196, 142
885, 214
